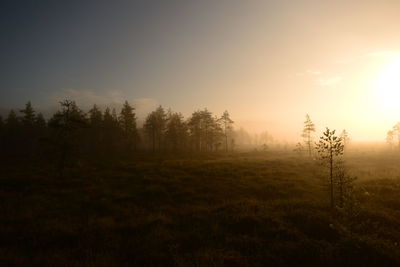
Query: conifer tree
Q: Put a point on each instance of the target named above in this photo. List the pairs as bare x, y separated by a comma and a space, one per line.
127, 121
329, 148
226, 127
28, 118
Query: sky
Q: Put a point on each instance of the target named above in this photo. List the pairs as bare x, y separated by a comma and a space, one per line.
268, 63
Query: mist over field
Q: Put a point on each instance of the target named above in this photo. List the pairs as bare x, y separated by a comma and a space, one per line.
199, 133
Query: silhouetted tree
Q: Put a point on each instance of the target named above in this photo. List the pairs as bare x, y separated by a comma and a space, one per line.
95, 131
28, 131
205, 131
12, 133
95, 116
2, 131
40, 121
112, 133
226, 127
329, 147
67, 124
176, 131
308, 129
28, 118
127, 121
154, 127
197, 124
12, 120
214, 135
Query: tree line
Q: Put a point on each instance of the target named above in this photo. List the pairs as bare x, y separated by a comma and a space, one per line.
109, 132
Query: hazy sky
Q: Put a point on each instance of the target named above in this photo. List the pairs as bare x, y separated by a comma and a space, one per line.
267, 62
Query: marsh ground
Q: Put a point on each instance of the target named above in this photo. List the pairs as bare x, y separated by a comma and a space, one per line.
244, 209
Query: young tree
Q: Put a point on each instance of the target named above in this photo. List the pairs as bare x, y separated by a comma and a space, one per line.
329, 148
344, 183
226, 127
308, 129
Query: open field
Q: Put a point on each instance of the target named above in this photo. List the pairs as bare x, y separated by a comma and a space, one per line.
246, 209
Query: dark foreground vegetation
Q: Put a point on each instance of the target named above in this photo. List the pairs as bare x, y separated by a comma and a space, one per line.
94, 189
243, 209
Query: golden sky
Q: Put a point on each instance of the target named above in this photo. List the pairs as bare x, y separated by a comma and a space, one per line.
267, 62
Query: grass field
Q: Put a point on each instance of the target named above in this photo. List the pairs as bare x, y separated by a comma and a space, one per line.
246, 209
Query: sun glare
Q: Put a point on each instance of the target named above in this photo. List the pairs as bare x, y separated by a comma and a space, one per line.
387, 85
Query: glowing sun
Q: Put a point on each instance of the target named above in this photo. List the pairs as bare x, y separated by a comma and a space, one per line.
387, 85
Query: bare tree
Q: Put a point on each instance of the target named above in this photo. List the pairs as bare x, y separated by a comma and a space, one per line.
308, 129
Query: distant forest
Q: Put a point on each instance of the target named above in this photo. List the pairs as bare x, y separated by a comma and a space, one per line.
73, 133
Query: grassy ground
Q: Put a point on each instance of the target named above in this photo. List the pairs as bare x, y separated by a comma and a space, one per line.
259, 209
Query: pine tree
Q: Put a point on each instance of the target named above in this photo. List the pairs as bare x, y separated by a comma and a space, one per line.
329, 147
226, 127
127, 121
154, 127
176, 131
66, 125
28, 118
40, 121
95, 116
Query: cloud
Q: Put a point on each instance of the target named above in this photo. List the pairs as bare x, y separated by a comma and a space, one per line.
313, 72
331, 81
309, 72
88, 97
383, 53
